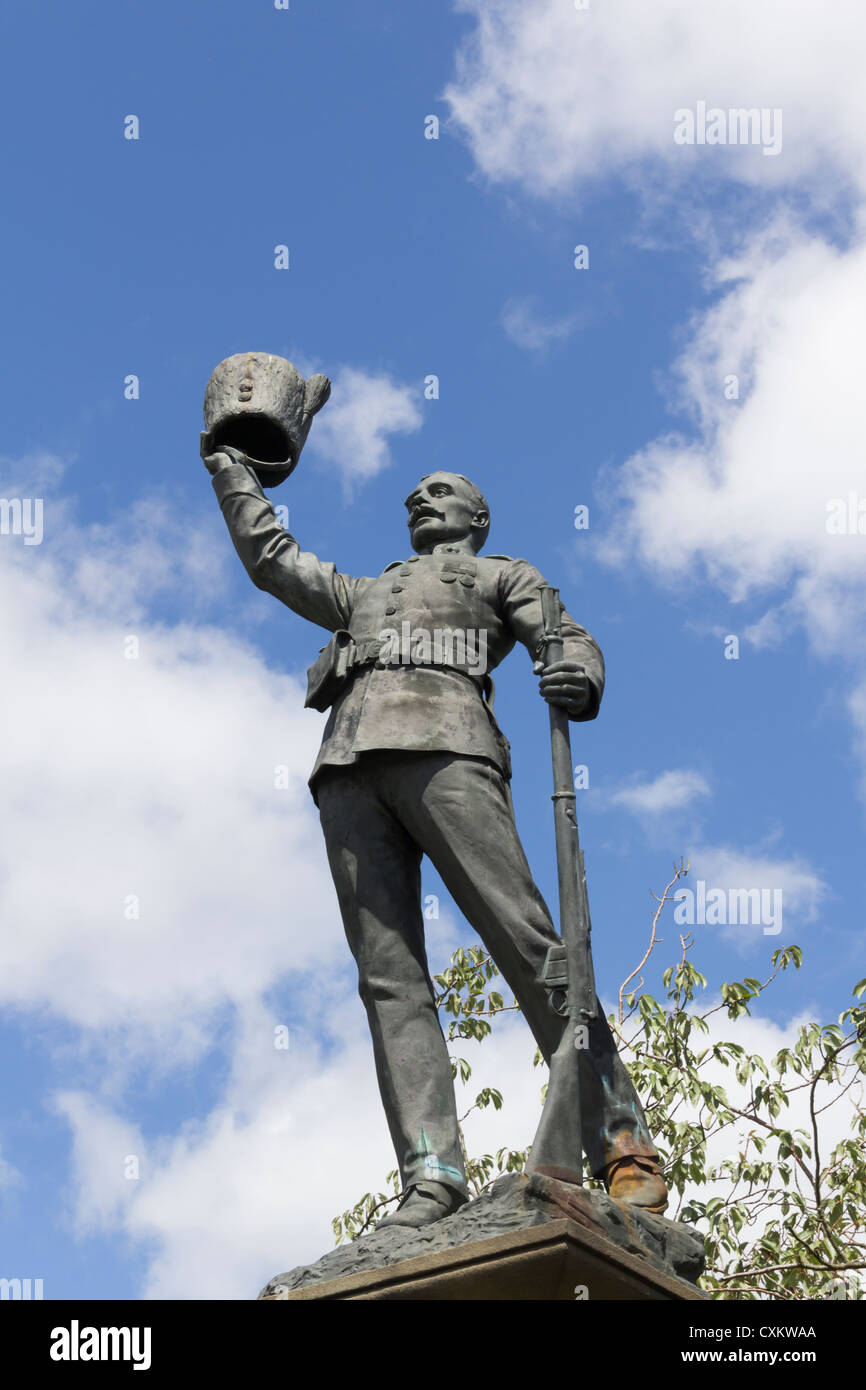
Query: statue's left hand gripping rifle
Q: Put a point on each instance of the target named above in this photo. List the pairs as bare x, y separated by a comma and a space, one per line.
557, 1150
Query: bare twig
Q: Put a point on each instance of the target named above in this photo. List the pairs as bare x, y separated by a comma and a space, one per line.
679, 872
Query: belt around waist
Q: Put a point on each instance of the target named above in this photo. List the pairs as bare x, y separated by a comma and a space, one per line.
366, 653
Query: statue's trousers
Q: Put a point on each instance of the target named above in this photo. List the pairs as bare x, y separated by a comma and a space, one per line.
379, 816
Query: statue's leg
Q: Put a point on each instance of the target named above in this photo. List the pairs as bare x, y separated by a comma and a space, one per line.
376, 868
459, 811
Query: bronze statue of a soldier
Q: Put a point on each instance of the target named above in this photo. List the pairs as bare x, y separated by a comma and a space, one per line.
412, 762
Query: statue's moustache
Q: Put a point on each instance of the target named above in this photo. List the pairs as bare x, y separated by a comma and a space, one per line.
423, 515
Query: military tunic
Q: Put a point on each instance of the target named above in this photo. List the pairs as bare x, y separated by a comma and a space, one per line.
410, 707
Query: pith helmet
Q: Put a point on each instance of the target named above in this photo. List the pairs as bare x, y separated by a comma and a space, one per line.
261, 405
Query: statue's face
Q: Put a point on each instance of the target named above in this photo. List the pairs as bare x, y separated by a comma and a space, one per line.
442, 508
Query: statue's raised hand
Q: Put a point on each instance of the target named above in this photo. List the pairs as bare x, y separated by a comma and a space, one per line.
226, 453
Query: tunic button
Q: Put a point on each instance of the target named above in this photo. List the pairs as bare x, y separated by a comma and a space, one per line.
396, 588
390, 610
467, 581
448, 578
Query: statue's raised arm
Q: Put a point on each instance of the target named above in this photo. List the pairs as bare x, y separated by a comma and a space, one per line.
258, 411
272, 557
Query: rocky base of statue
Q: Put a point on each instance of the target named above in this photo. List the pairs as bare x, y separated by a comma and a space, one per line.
529, 1237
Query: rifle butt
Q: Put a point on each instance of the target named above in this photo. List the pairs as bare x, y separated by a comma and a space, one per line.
558, 1139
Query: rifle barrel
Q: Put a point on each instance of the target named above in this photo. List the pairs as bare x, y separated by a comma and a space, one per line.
558, 1141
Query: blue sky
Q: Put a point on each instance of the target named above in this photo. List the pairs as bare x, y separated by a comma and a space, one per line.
152, 1037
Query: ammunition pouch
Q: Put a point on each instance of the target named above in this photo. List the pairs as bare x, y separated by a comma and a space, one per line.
327, 675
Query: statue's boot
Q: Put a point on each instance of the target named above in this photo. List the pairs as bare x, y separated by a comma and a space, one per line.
637, 1180
422, 1203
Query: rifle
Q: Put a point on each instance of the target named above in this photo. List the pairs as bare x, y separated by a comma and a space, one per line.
557, 1149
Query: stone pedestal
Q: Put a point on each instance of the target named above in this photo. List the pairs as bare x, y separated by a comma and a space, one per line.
529, 1238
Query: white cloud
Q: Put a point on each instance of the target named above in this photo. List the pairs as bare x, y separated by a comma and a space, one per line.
149, 779
527, 326
353, 430
747, 501
547, 95
223, 1204
550, 97
155, 777
9, 1175
670, 791
791, 889
729, 867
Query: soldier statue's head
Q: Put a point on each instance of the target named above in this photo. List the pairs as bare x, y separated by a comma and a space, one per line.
446, 509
